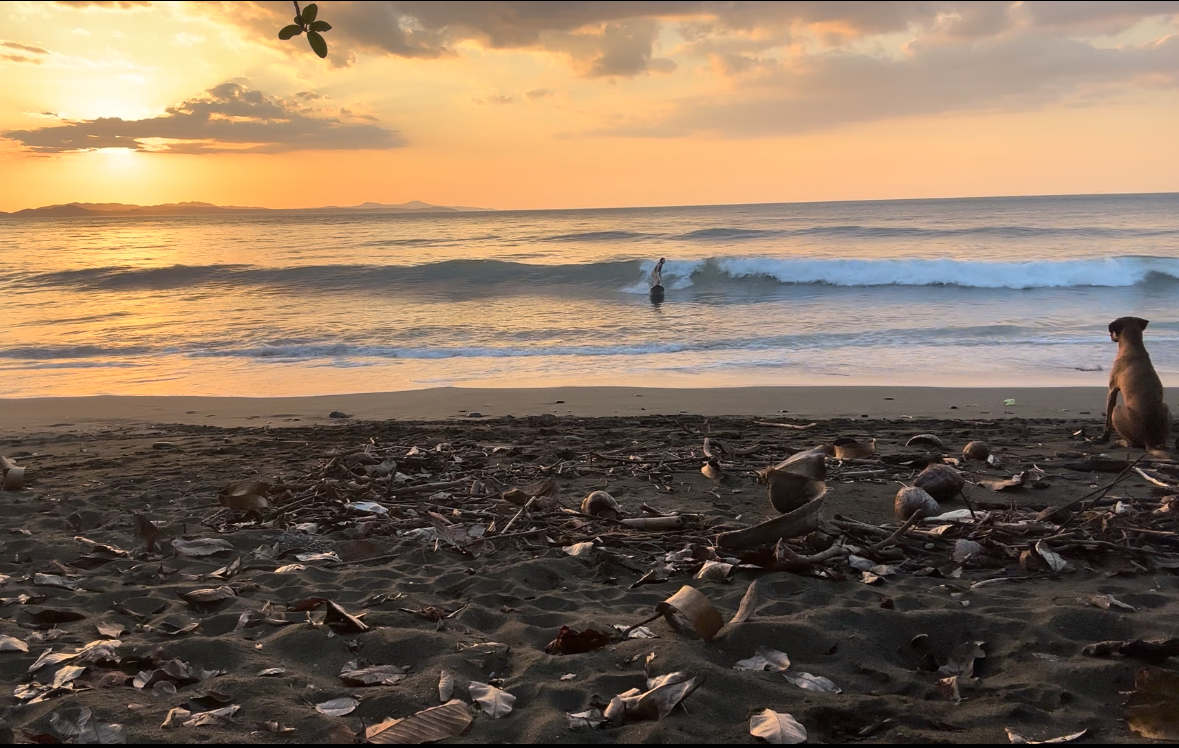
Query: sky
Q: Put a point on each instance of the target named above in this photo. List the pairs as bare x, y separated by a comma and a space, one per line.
522, 105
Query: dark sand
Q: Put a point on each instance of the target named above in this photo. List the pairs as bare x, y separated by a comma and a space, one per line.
88, 478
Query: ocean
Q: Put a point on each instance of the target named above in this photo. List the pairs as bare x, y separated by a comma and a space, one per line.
953, 292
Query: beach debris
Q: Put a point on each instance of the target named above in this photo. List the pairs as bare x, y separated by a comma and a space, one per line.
147, 531
218, 717
962, 657
591, 719
601, 504
338, 414
54, 580
714, 571
801, 521
572, 641
174, 672
12, 476
1054, 560
765, 658
847, 448
662, 696
201, 547
689, 611
947, 688
926, 440
12, 644
338, 707
655, 524
49, 617
374, 675
1105, 602
777, 728
794, 426
1152, 710
275, 727
580, 550
449, 720
272, 672
912, 500
336, 618
797, 480
747, 606
964, 549
1009, 401
445, 686
209, 596
809, 682
976, 450
942, 482
1155, 651
245, 496
76, 724
1015, 737
494, 702
545, 492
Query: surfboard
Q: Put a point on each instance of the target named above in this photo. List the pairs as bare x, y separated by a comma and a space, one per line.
656, 293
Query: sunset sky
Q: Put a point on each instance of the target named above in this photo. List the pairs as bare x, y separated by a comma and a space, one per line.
585, 104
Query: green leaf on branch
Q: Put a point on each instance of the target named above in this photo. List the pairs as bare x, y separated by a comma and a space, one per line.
321, 26
289, 31
317, 42
310, 12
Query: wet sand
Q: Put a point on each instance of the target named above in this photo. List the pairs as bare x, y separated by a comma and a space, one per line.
93, 462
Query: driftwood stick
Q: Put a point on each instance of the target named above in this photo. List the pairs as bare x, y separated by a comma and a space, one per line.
912, 520
801, 521
512, 521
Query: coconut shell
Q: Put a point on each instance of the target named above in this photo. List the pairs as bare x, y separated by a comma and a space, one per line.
926, 440
601, 504
976, 450
942, 482
789, 491
851, 449
911, 500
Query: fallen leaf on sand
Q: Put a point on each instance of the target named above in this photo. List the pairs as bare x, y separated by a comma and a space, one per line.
572, 641
272, 672
53, 580
220, 716
175, 717
201, 547
51, 617
808, 682
289, 569
50, 658
74, 724
591, 719
67, 674
445, 686
714, 570
1105, 602
495, 703
111, 630
209, 595
569, 676
748, 604
664, 693
961, 659
1054, 560
338, 707
948, 688
765, 659
376, 675
449, 720
147, 532
777, 728
309, 557
1153, 708
246, 496
1015, 737
12, 644
580, 550
276, 728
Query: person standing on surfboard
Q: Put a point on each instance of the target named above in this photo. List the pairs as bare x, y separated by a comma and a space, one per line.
657, 274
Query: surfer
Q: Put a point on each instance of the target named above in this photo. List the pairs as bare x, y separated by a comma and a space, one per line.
657, 281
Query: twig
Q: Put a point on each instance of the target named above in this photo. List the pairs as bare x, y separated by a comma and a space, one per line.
1097, 494
912, 520
512, 521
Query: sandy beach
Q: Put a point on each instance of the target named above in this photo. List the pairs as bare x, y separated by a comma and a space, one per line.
468, 577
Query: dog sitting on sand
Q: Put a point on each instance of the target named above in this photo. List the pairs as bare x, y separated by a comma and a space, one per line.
1142, 418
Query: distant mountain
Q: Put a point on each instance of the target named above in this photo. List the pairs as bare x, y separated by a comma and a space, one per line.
101, 210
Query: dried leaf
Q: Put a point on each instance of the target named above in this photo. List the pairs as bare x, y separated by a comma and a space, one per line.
49, 657
309, 557
175, 717
272, 672
214, 717
338, 707
1105, 602
201, 547
112, 630
808, 682
580, 550
777, 727
445, 686
12, 644
1153, 708
66, 675
289, 569
53, 580
748, 605
1053, 559
756, 663
714, 570
948, 688
449, 720
664, 694
209, 595
961, 659
51, 617
246, 496
587, 720
495, 703
1015, 737
376, 675
777, 661
571, 641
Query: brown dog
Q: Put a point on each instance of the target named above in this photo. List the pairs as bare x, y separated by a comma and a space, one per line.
1142, 418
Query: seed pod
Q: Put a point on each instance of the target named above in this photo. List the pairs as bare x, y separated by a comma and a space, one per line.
942, 482
976, 450
911, 500
601, 504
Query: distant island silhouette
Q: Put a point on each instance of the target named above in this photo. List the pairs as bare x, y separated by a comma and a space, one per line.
104, 210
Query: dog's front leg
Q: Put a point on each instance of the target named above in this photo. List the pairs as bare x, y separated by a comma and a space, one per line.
1111, 402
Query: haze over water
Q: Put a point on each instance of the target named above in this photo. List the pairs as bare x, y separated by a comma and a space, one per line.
995, 291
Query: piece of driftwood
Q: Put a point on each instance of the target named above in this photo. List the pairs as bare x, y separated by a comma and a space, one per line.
801, 521
655, 523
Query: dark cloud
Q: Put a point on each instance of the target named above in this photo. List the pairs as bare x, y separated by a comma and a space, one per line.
228, 118
1013, 73
20, 58
24, 48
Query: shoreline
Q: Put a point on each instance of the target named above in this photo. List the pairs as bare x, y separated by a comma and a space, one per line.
800, 402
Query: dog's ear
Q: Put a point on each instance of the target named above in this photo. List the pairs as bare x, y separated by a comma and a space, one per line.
1141, 322
1115, 327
